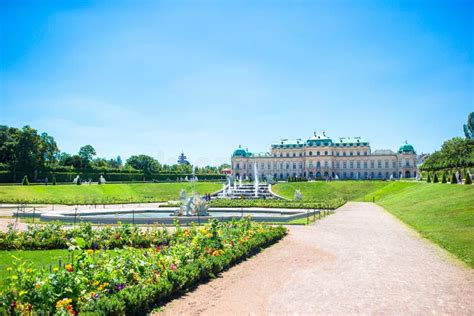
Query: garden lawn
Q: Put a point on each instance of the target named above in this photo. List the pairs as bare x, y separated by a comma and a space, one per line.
101, 194
39, 259
443, 213
323, 191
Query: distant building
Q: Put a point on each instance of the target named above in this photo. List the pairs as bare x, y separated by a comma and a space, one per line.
182, 160
226, 171
320, 157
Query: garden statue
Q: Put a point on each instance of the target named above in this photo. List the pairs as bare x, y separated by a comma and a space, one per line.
193, 206
298, 195
76, 179
269, 179
458, 177
182, 195
391, 177
469, 127
336, 177
101, 180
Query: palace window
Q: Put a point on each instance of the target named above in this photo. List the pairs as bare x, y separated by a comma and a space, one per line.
386, 164
380, 174
317, 153
358, 165
310, 153
238, 166
352, 154
326, 164
287, 154
379, 164
287, 166
344, 174
394, 164
372, 164
337, 164
365, 164
301, 154
325, 153
351, 163
365, 153
281, 155
294, 166
318, 164
344, 165
337, 153
344, 153
358, 153
263, 165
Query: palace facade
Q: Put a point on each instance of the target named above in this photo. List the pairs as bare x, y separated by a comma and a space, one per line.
321, 157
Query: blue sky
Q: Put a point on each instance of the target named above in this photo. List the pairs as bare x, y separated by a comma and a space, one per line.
158, 77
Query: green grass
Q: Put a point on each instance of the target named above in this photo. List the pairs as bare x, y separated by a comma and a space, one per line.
38, 258
100, 194
443, 213
321, 190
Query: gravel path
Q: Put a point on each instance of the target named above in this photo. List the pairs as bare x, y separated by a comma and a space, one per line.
361, 260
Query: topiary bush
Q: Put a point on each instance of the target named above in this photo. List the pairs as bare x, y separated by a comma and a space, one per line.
443, 179
429, 178
453, 178
25, 180
468, 179
435, 178
54, 180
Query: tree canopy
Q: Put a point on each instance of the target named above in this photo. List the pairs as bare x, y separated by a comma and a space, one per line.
455, 153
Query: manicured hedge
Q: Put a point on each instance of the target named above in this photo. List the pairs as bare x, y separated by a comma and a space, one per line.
307, 204
132, 281
110, 175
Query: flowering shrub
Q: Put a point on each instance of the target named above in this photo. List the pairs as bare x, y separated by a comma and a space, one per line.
53, 236
307, 204
132, 280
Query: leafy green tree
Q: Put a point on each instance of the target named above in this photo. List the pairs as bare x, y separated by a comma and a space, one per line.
144, 163
50, 149
86, 153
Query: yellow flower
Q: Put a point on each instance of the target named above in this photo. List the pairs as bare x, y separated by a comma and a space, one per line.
63, 302
29, 270
9, 269
90, 251
95, 283
55, 269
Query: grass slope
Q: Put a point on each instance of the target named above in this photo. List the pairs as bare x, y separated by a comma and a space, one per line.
321, 190
443, 213
108, 193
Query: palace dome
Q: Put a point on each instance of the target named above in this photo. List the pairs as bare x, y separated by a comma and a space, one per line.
406, 149
240, 152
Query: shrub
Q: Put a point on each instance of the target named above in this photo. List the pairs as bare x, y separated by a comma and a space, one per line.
25, 180
443, 179
54, 179
429, 178
468, 179
453, 178
435, 178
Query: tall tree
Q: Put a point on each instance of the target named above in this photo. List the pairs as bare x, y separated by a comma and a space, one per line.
144, 163
86, 153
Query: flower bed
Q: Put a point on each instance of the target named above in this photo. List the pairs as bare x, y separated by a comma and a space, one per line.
53, 236
330, 204
130, 280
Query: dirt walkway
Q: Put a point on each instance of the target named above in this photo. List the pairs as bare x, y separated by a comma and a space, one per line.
360, 260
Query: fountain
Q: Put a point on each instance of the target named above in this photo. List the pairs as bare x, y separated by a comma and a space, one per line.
255, 173
192, 206
240, 181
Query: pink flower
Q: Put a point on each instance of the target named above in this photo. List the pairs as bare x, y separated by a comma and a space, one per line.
173, 267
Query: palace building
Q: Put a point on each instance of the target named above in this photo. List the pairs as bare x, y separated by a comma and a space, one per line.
321, 157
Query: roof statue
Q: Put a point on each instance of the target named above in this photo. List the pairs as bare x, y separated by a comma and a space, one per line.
469, 127
182, 160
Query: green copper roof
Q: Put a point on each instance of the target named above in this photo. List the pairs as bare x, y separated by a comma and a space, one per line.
406, 149
240, 152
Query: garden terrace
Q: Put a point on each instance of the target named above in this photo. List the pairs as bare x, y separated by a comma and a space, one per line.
132, 280
101, 194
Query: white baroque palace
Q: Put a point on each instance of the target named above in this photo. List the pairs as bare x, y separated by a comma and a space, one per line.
320, 157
